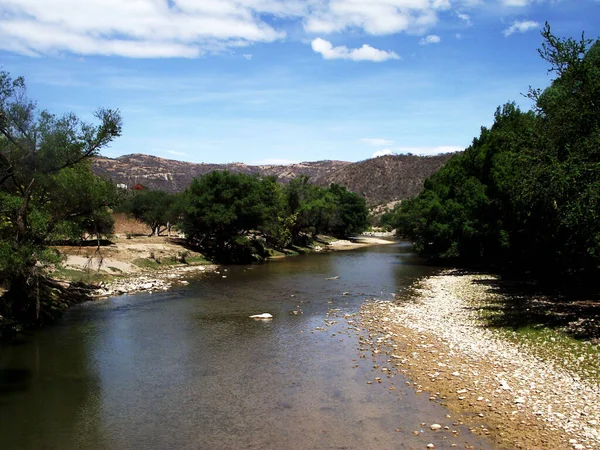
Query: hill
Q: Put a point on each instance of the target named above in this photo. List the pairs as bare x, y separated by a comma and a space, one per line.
380, 179
174, 176
386, 178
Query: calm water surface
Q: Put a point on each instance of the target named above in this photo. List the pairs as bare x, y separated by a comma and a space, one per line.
187, 369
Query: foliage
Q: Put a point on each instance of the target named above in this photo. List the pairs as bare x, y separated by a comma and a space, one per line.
234, 216
47, 190
157, 209
526, 193
221, 208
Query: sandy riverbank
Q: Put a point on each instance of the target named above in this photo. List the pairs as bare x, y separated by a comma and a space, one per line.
145, 263
497, 387
360, 241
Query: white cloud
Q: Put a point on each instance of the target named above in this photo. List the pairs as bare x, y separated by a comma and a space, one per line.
376, 141
248, 56
191, 28
365, 53
428, 150
141, 29
516, 2
383, 152
521, 27
378, 17
465, 18
431, 39
176, 153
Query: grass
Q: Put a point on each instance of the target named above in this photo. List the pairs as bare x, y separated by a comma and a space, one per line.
561, 331
153, 264
197, 260
81, 276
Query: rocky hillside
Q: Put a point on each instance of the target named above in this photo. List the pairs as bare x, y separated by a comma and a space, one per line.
380, 179
386, 178
174, 176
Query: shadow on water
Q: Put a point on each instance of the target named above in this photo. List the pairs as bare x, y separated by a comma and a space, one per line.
14, 380
520, 304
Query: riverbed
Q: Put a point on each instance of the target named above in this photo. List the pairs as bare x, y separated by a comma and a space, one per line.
188, 368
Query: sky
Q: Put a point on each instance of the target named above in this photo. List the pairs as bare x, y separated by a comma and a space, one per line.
283, 81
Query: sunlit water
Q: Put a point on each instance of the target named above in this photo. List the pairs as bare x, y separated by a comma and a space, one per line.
187, 369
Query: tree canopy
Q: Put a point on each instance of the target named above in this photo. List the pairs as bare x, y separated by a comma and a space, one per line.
47, 190
526, 193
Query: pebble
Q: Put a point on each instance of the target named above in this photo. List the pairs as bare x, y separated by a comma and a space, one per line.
503, 374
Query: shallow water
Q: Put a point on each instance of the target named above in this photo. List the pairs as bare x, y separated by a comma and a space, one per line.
187, 369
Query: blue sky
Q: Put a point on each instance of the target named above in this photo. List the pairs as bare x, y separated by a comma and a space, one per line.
278, 81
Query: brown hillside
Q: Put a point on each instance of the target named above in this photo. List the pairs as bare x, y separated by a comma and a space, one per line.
381, 180
175, 176
387, 178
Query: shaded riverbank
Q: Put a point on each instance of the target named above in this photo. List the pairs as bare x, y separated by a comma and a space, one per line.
523, 394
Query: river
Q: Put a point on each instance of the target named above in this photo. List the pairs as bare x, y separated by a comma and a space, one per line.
188, 369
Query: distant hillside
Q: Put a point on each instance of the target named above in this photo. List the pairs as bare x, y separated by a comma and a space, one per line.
386, 178
174, 176
380, 179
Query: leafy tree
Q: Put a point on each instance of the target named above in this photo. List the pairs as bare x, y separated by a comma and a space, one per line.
351, 212
157, 209
45, 187
221, 209
526, 193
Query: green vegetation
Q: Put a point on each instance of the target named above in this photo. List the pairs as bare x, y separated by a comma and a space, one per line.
47, 194
156, 209
526, 194
235, 217
239, 218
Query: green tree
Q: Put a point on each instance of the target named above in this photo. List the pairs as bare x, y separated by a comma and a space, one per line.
157, 209
45, 187
221, 209
526, 193
351, 214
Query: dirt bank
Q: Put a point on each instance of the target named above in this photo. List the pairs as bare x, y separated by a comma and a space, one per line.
520, 395
143, 263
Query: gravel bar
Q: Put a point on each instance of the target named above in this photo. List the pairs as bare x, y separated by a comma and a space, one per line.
498, 388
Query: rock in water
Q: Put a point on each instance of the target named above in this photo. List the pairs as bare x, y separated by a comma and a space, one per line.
262, 316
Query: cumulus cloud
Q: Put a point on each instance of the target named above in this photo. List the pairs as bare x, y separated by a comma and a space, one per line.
383, 152
364, 53
431, 39
248, 56
376, 141
521, 27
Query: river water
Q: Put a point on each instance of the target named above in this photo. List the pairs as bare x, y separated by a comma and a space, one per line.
187, 369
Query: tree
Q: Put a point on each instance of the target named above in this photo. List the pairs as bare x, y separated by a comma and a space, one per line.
45, 187
351, 215
157, 209
222, 208
526, 193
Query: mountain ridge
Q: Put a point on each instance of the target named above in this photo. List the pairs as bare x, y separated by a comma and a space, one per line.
382, 179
